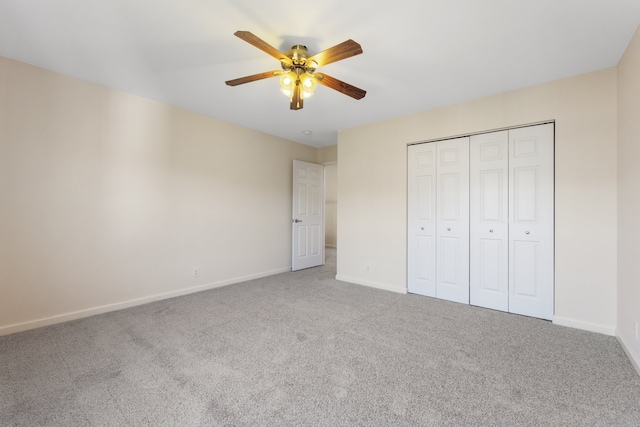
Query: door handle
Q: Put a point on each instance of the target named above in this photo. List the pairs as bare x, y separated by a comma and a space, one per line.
297, 220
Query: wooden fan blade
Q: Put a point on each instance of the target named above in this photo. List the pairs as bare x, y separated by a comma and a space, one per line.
262, 45
338, 52
253, 78
340, 86
296, 98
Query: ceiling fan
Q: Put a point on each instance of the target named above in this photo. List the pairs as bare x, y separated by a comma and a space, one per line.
298, 77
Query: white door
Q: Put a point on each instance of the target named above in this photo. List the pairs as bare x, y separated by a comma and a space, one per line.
489, 220
421, 219
308, 215
452, 220
531, 246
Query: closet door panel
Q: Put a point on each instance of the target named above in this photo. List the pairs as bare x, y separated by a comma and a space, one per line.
421, 220
489, 220
531, 199
452, 229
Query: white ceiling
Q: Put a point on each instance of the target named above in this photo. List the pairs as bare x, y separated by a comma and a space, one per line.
418, 54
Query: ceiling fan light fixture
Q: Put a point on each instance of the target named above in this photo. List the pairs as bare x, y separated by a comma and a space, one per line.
309, 85
287, 83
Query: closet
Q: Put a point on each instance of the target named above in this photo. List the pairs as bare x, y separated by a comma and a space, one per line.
480, 220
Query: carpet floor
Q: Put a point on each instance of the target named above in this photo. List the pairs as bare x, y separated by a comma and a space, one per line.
302, 349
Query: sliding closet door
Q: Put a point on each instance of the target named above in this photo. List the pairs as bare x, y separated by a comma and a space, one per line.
531, 247
452, 220
489, 220
421, 220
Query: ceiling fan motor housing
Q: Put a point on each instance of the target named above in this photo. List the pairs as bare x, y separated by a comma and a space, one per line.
298, 54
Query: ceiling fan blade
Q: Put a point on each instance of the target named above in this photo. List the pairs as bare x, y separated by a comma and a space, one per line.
253, 78
340, 86
296, 98
262, 45
338, 52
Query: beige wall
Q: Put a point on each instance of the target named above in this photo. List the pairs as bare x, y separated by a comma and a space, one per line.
372, 189
110, 200
331, 205
629, 199
328, 156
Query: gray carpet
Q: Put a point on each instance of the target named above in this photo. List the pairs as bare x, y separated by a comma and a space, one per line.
304, 349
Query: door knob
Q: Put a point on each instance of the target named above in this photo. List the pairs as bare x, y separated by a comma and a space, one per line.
297, 220
491, 231
448, 229
526, 232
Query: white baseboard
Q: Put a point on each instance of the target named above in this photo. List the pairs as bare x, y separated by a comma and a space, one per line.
65, 317
371, 284
635, 360
586, 326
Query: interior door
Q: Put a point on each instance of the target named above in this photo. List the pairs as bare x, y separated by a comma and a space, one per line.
308, 215
531, 249
452, 228
489, 220
421, 219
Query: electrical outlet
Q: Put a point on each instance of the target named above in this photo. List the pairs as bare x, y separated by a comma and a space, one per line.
196, 272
